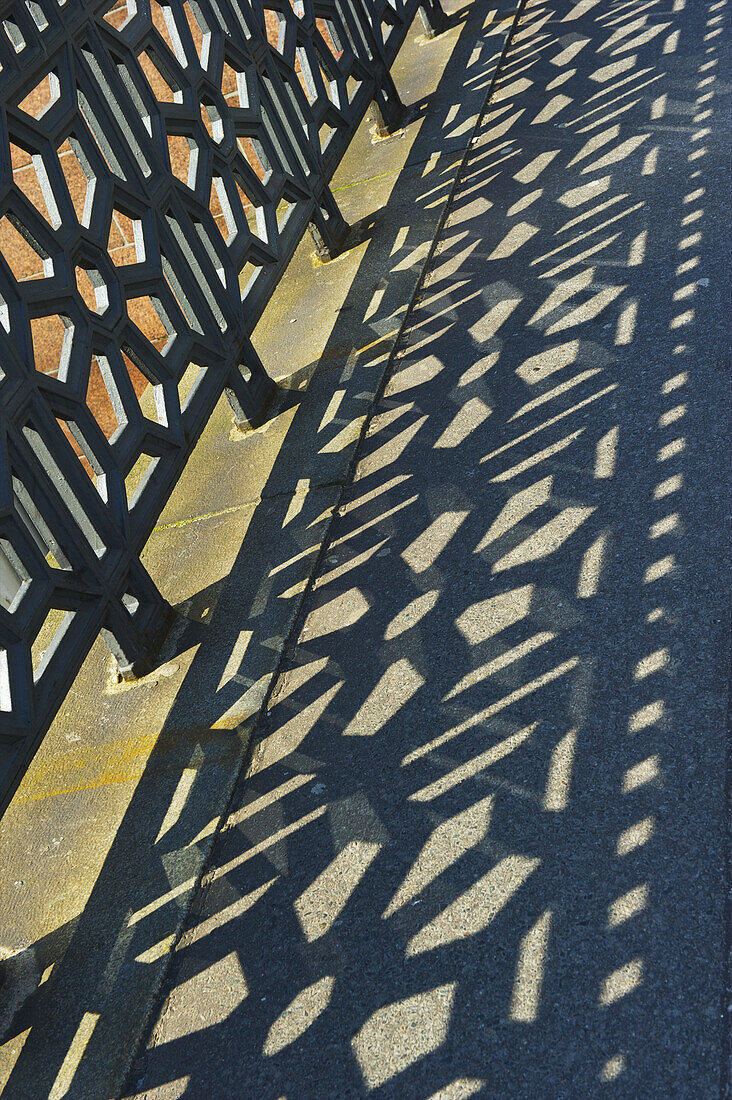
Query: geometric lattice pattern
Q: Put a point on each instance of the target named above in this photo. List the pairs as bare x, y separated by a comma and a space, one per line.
159, 163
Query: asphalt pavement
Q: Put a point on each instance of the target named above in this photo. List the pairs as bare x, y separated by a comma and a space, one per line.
480, 847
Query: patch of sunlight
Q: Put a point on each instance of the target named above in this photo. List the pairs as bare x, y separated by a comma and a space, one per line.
339, 613
647, 771
481, 716
535, 167
559, 776
473, 767
613, 1067
216, 991
517, 236
606, 454
675, 447
621, 982
591, 568
299, 1015
233, 911
400, 1034
489, 617
556, 104
423, 552
556, 391
664, 526
646, 716
586, 191
322, 902
587, 311
445, 845
459, 1089
488, 325
659, 569
524, 202
180, 796
667, 486
547, 540
474, 910
625, 330
389, 452
288, 737
234, 661
538, 367
502, 661
395, 688
412, 614
74, 1054
478, 369
635, 836
466, 420
563, 293
530, 964
519, 506
626, 906
415, 374
651, 663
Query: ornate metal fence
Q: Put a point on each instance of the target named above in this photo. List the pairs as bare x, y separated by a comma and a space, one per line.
160, 162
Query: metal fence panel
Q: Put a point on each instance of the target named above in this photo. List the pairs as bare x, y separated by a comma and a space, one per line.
159, 163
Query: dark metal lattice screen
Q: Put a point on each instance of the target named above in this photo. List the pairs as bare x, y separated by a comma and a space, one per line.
159, 163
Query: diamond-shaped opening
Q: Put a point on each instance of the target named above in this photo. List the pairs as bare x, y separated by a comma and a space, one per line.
147, 390
352, 86
274, 24
48, 639
37, 14
103, 399
131, 603
234, 86
189, 383
325, 133
329, 36
52, 337
220, 207
41, 98
23, 254
200, 32
284, 209
248, 277
148, 315
164, 23
183, 153
212, 121
6, 698
50, 467
126, 243
92, 288
30, 176
14, 577
15, 35
138, 478
330, 85
79, 178
83, 451
162, 83
120, 12
37, 527
255, 156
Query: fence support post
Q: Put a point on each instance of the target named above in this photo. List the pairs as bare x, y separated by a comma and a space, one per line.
250, 390
390, 113
329, 229
137, 625
433, 18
